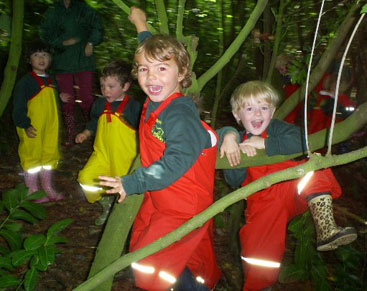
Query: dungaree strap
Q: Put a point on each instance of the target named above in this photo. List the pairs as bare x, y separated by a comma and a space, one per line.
154, 115
40, 81
119, 110
263, 135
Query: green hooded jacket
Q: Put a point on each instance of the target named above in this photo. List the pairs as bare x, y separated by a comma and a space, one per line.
78, 21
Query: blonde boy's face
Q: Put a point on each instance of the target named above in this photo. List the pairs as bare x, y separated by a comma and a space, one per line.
255, 116
112, 90
158, 79
40, 61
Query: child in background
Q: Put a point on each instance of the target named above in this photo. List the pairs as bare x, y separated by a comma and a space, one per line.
269, 210
36, 116
114, 119
321, 114
178, 153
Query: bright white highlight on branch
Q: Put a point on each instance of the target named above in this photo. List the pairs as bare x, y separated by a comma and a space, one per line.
200, 279
302, 184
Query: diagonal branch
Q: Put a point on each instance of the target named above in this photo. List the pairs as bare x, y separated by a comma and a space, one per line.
315, 163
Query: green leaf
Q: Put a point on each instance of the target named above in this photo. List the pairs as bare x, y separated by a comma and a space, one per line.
37, 210
22, 191
11, 199
46, 255
22, 215
55, 240
8, 281
16, 227
4, 250
58, 226
13, 238
291, 274
36, 195
34, 242
30, 280
21, 257
364, 9
5, 262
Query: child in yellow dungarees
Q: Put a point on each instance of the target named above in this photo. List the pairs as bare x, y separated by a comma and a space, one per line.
114, 119
36, 116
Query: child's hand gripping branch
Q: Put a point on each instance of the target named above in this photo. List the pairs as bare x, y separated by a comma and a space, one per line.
250, 145
116, 186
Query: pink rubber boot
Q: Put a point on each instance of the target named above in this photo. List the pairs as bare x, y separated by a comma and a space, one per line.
31, 181
46, 182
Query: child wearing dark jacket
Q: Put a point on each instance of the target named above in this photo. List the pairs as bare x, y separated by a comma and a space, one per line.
269, 210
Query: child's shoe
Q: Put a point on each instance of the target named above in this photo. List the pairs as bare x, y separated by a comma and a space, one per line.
46, 181
329, 235
106, 202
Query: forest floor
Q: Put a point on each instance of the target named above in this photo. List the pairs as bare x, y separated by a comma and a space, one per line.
72, 265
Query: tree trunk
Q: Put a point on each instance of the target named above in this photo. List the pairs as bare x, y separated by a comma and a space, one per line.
15, 49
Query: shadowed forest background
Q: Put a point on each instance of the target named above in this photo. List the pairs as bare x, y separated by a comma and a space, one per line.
229, 47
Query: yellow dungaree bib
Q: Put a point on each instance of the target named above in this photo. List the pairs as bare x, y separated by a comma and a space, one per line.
42, 150
115, 148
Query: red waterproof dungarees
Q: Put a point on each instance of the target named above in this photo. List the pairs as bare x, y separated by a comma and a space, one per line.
164, 210
267, 214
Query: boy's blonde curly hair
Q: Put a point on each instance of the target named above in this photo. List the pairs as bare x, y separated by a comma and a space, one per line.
253, 90
162, 47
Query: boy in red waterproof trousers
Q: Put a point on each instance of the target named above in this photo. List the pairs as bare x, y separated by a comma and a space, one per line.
268, 211
178, 153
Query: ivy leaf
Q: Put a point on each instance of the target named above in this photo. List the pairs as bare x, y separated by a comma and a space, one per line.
5, 262
55, 240
16, 227
11, 199
21, 257
58, 226
22, 215
37, 210
8, 281
30, 279
36, 195
46, 255
34, 242
4, 250
13, 238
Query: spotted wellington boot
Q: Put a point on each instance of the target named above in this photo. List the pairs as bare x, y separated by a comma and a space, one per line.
329, 235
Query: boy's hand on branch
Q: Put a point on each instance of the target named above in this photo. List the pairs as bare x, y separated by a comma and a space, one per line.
115, 184
255, 141
31, 132
138, 18
248, 149
231, 149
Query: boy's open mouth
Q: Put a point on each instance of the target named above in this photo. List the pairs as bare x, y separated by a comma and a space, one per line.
256, 124
155, 89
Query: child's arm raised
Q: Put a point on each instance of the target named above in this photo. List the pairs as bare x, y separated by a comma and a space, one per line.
139, 19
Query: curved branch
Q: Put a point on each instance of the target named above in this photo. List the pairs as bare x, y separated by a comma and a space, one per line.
234, 47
